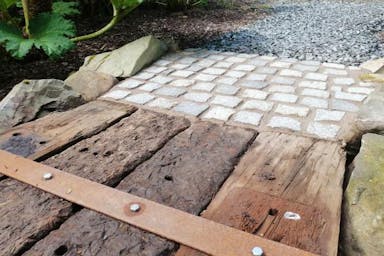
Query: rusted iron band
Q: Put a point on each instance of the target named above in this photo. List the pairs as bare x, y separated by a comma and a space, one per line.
184, 228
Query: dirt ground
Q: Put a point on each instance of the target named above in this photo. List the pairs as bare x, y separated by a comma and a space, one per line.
190, 28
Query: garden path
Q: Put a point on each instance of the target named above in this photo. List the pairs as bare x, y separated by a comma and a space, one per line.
262, 92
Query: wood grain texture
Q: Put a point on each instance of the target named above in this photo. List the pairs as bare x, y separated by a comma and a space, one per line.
46, 135
284, 173
104, 158
185, 174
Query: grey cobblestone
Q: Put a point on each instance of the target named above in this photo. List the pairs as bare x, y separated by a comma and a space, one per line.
208, 87
292, 110
226, 80
333, 65
144, 76
235, 74
223, 64
328, 115
206, 63
255, 94
235, 59
149, 87
362, 90
315, 102
219, 113
285, 122
257, 104
182, 73
339, 72
253, 84
301, 67
155, 69
227, 89
282, 88
129, 83
162, 103
281, 64
179, 66
290, 72
214, 71
316, 76
315, 93
170, 91
283, 80
247, 117
344, 105
161, 79
190, 108
313, 84
182, 82
325, 131
229, 101
244, 67
197, 96
257, 62
140, 98
256, 77
116, 94
349, 96
344, 81
205, 77
266, 70
284, 97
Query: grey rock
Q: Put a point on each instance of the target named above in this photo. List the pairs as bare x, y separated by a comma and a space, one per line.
363, 209
33, 99
90, 84
371, 114
127, 60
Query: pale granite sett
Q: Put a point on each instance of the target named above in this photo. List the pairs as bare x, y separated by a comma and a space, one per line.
183, 73
282, 88
116, 94
229, 101
338, 72
305, 68
216, 57
257, 62
284, 97
187, 60
155, 70
349, 96
256, 94
235, 74
292, 110
214, 71
280, 64
283, 80
162, 103
316, 76
334, 65
206, 63
235, 59
285, 122
190, 108
253, 84
315, 93
140, 98
257, 104
227, 89
223, 64
328, 115
170, 91
130, 83
197, 96
247, 117
182, 82
226, 80
315, 102
208, 87
363, 90
195, 68
344, 105
161, 79
290, 72
219, 113
179, 66
205, 77
244, 67
266, 70
162, 62
149, 87
344, 81
313, 84
256, 77
144, 76
325, 131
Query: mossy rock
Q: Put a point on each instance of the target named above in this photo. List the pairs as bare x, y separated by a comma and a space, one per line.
363, 213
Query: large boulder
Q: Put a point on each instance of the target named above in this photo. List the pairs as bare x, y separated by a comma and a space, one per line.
90, 84
363, 213
127, 60
32, 99
371, 115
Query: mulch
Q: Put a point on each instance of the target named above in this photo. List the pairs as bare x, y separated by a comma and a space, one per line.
191, 28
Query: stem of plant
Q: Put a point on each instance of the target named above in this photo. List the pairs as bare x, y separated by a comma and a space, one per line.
102, 30
26, 17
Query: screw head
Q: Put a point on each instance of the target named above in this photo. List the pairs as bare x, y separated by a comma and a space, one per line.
257, 251
134, 207
47, 176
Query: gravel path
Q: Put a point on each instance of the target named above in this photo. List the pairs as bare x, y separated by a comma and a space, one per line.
346, 33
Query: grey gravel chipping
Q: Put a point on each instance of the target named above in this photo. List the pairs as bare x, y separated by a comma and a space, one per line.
335, 31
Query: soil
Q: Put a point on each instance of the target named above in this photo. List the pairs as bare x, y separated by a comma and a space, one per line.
190, 28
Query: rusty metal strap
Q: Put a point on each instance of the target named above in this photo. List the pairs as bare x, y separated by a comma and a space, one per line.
187, 229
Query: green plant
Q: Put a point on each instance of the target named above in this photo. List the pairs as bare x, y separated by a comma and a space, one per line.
120, 9
49, 32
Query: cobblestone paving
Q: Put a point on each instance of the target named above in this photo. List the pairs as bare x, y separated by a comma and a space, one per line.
262, 92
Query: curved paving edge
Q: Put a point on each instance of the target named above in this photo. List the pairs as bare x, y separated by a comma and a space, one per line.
262, 92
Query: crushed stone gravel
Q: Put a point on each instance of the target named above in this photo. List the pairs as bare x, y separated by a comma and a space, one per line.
338, 31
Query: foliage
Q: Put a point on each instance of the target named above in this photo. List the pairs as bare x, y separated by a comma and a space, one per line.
65, 8
49, 32
177, 5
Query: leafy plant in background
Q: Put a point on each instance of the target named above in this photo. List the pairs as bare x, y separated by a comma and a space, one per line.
49, 31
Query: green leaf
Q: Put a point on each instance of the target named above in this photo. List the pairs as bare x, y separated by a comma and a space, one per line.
125, 4
5, 4
49, 32
65, 8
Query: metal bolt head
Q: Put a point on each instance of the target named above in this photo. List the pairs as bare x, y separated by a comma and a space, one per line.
257, 251
134, 207
47, 176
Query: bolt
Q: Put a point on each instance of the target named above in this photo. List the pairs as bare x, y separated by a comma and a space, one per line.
47, 176
257, 251
134, 207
